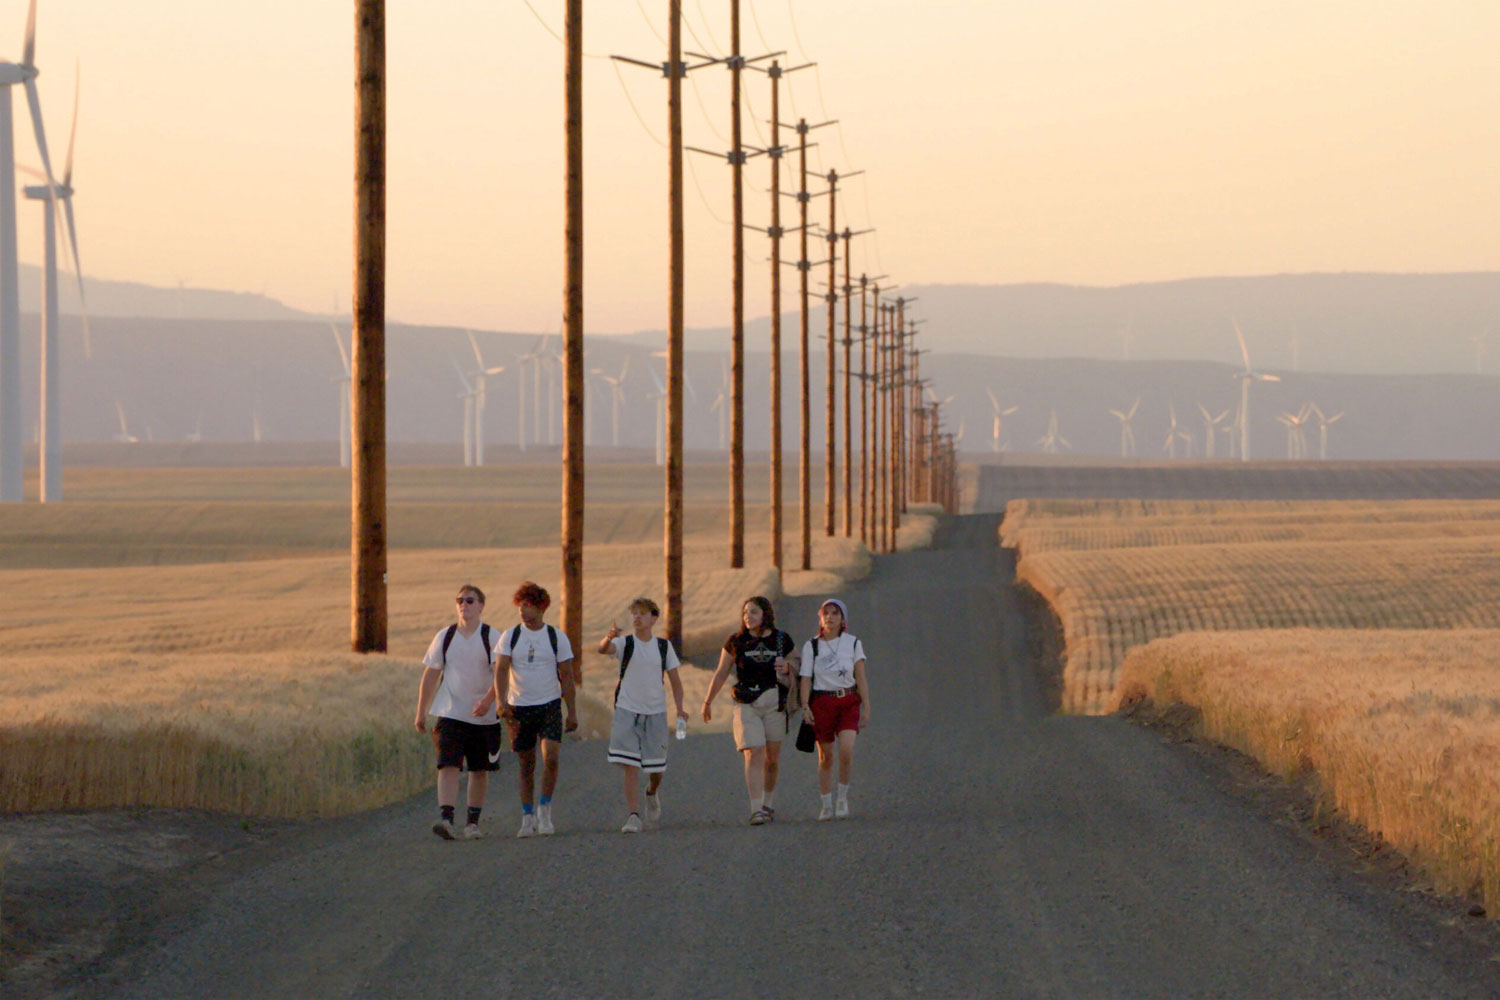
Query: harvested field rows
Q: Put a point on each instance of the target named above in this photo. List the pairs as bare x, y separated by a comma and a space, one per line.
1414, 566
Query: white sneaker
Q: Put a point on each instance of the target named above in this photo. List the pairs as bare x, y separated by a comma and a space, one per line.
826, 812
443, 828
472, 831
528, 826
841, 809
632, 825
544, 820
653, 809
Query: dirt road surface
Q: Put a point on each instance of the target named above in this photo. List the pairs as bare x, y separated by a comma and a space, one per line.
994, 850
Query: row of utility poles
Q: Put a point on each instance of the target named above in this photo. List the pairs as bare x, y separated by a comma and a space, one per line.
903, 454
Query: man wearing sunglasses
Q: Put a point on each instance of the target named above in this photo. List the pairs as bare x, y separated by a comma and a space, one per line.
458, 687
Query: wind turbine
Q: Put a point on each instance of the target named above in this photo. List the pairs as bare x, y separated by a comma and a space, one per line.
660, 395
532, 358
1170, 447
124, 434
480, 372
616, 385
343, 383
1246, 377
1323, 422
1289, 421
1127, 433
999, 415
1053, 440
469, 396
718, 405
1209, 423
12, 427
49, 444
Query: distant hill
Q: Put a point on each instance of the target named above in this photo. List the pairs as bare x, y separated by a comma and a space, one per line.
222, 379
1353, 323
129, 298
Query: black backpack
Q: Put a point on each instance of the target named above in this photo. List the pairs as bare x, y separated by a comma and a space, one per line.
484, 636
515, 637
661, 650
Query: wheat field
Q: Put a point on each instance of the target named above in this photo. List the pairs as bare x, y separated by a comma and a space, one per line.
1401, 728
1386, 564
188, 651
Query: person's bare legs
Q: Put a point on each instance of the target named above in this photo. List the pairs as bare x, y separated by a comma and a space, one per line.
846, 755
825, 768
654, 782
773, 767
755, 772
526, 774
479, 783
633, 787
551, 754
447, 786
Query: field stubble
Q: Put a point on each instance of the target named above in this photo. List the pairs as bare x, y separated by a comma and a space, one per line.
222, 685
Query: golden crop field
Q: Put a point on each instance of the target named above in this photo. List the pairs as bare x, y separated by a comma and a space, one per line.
1386, 564
1401, 728
189, 651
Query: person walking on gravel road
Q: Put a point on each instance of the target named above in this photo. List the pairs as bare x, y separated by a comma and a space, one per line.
764, 660
534, 679
638, 734
837, 699
458, 687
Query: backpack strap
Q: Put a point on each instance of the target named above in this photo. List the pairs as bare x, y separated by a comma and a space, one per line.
625, 655
552, 638
515, 637
448, 641
484, 637
661, 649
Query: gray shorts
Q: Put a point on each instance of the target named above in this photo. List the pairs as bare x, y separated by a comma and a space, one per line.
639, 740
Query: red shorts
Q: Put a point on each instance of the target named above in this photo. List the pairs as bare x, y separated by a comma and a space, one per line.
832, 715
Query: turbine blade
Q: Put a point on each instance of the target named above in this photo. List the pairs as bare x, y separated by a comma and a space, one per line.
29, 48
83, 306
1244, 351
35, 102
343, 355
478, 361
72, 133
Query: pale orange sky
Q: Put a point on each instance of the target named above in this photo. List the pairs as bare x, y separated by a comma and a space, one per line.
1071, 140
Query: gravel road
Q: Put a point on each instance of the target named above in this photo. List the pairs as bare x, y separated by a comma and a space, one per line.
994, 850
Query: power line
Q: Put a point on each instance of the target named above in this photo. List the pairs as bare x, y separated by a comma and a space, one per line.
647, 18
553, 33
631, 102
704, 198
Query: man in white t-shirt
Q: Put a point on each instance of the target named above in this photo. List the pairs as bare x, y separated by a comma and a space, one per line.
458, 687
638, 734
534, 677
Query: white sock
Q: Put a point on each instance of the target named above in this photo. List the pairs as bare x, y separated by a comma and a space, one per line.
770, 798
843, 793
827, 799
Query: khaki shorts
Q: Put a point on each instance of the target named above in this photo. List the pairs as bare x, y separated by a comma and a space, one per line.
759, 723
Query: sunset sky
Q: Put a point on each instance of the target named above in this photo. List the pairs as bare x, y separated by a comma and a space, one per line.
1075, 141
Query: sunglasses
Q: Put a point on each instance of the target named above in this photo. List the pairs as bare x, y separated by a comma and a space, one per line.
471, 599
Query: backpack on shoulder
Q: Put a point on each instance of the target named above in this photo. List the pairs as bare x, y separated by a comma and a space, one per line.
484, 636
515, 637
661, 650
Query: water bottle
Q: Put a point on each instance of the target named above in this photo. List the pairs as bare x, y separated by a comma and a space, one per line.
681, 728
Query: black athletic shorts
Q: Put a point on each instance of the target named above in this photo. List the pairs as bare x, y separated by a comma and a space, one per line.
533, 722
459, 743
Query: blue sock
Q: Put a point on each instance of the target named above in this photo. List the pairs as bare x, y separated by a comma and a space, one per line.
546, 800
527, 808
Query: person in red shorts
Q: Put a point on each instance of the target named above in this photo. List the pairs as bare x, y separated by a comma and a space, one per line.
837, 697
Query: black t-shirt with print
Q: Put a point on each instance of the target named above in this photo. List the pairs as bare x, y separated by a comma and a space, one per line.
755, 659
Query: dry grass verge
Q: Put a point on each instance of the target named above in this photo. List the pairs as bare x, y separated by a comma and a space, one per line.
1401, 729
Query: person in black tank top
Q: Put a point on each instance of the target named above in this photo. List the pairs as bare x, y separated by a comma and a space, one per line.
765, 662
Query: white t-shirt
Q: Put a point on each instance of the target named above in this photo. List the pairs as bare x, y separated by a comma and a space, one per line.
833, 668
466, 678
641, 688
533, 667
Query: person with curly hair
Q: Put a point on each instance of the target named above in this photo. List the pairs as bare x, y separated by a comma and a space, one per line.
534, 678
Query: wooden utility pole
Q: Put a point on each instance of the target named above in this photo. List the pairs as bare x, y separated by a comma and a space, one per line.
847, 236
737, 158
573, 389
367, 631
830, 483
877, 428
804, 471
674, 69
775, 232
